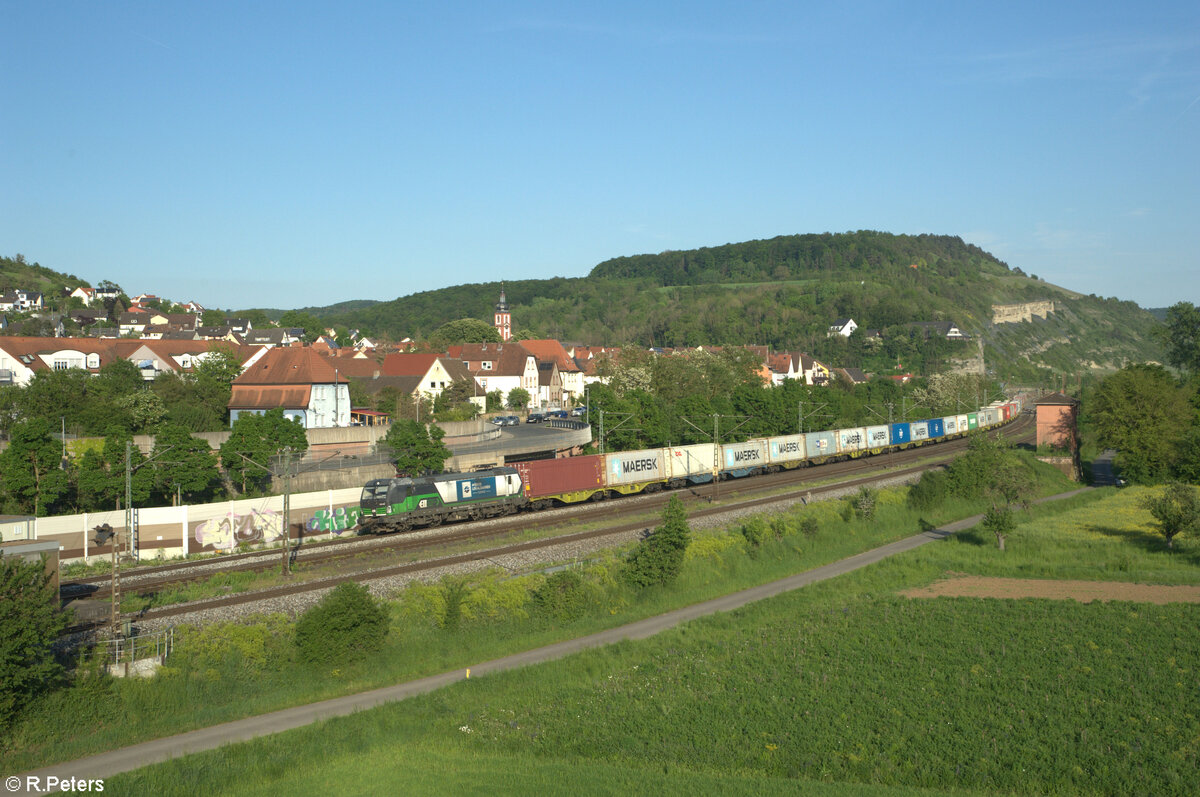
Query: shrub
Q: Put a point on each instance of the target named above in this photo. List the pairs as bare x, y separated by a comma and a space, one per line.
929, 492
657, 559
755, 532
864, 501
245, 646
347, 623
454, 594
562, 596
809, 526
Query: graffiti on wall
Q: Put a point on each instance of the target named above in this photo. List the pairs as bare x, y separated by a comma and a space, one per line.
228, 532
338, 521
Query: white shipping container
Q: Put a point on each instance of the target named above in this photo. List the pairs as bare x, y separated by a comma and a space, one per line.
877, 437
684, 461
851, 440
738, 456
919, 430
631, 467
788, 448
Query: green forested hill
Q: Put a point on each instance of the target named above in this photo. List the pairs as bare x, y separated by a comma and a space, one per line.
17, 274
786, 291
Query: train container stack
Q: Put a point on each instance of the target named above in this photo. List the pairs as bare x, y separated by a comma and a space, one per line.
633, 471
851, 442
744, 459
786, 451
820, 445
570, 479
878, 438
691, 464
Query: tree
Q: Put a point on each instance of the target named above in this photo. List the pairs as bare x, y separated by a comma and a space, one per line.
312, 326
221, 365
101, 474
30, 624
465, 330
1009, 485
494, 401
254, 443
1176, 511
454, 403
1180, 333
1141, 412
31, 468
418, 449
518, 398
184, 465
658, 558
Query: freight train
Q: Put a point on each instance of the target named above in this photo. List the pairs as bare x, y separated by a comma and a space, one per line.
401, 504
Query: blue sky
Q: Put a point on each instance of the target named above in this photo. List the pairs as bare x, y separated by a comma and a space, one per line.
300, 153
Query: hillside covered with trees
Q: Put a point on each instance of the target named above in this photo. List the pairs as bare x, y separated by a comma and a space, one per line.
786, 291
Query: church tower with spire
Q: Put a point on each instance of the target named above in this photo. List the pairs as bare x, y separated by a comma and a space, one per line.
503, 322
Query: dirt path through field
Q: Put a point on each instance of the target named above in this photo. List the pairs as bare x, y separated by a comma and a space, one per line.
960, 586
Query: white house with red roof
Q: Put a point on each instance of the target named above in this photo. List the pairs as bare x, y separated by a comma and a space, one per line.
300, 381
570, 375
499, 366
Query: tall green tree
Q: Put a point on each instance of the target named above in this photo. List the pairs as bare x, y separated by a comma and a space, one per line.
1141, 412
1176, 510
518, 398
418, 448
184, 466
465, 330
1180, 334
250, 454
31, 469
30, 623
100, 482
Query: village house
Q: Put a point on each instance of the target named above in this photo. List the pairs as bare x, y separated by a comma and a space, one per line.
499, 366
298, 380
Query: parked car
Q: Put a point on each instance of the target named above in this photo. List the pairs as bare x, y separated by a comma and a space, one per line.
558, 414
506, 420
578, 411
536, 417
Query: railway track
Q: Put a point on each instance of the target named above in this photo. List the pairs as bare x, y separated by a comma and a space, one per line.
735, 496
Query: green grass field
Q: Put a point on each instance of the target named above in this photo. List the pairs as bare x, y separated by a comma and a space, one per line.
840, 688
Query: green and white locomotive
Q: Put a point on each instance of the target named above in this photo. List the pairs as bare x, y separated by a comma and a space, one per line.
401, 504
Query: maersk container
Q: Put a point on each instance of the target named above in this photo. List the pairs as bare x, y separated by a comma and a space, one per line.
988, 417
964, 424
950, 425
851, 441
819, 445
694, 463
937, 427
972, 420
901, 434
785, 449
877, 437
563, 478
631, 467
919, 430
740, 459
456, 488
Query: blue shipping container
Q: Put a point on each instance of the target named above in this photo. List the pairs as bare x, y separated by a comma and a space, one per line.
900, 434
937, 427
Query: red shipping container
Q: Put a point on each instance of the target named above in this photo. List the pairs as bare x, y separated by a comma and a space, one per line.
552, 477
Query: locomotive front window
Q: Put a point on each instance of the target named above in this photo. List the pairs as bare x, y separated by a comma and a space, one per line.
374, 491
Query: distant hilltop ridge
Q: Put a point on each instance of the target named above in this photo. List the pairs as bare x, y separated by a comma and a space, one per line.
1020, 313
